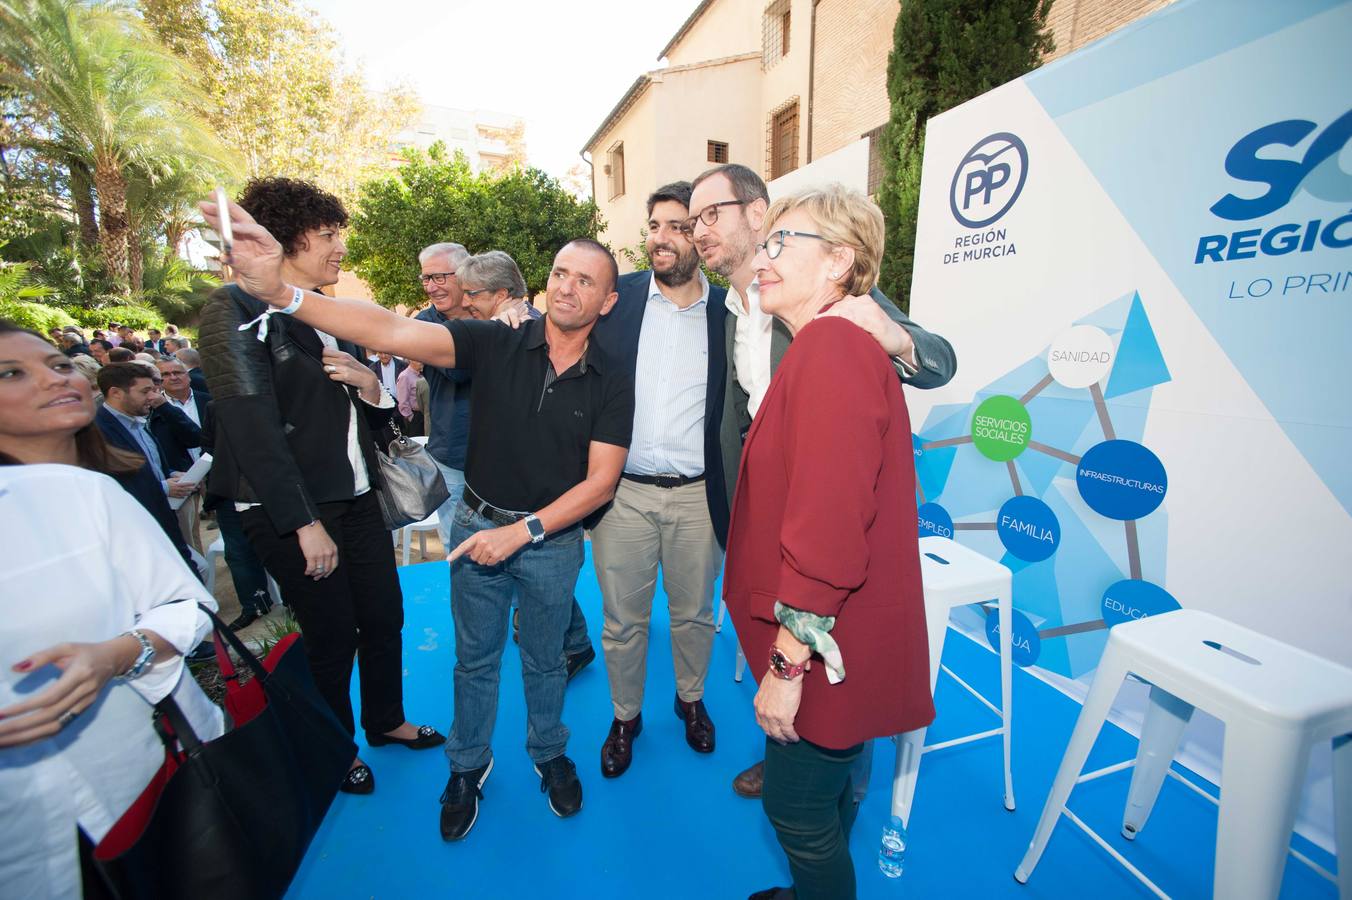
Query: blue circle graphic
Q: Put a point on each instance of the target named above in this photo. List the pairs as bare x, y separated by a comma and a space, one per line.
1128, 600
989, 167
1025, 642
1121, 480
935, 521
1028, 528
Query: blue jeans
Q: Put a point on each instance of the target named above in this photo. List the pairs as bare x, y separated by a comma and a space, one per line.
542, 577
577, 639
251, 581
455, 483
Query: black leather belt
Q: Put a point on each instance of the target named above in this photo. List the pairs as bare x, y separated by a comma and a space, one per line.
664, 481
489, 511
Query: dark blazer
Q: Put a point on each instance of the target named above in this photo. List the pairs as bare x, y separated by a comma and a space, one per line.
176, 434
937, 367
198, 379
619, 331
825, 522
143, 484
399, 366
281, 422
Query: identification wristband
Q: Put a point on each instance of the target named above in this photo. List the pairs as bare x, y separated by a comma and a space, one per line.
297, 297
261, 320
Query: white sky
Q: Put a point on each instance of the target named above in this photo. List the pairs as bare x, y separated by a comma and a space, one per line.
560, 66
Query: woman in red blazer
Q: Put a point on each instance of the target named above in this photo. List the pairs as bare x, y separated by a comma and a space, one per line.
823, 570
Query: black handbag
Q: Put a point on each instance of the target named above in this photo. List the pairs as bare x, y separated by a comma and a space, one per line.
233, 817
411, 486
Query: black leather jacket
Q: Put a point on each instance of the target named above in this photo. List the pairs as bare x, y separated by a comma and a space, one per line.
281, 422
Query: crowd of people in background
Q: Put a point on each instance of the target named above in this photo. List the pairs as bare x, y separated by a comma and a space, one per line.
663, 415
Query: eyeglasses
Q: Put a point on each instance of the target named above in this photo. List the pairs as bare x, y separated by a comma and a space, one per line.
709, 215
773, 244
435, 277
477, 291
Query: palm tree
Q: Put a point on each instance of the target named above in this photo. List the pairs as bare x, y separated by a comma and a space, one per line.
114, 96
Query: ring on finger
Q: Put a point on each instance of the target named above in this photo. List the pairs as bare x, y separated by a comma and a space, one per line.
330, 369
67, 717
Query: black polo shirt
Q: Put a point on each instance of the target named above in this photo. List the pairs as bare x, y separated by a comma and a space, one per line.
531, 431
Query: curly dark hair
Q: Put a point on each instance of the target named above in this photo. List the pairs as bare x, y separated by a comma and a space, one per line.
289, 207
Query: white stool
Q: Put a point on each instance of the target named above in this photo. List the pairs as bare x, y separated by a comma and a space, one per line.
217, 549
1276, 702
955, 575
406, 533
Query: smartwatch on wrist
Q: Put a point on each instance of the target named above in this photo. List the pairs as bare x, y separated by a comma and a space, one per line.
535, 527
782, 668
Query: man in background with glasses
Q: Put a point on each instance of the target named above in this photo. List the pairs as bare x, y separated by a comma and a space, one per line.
728, 206
447, 389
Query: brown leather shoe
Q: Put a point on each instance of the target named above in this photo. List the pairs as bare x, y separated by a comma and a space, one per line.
748, 784
699, 728
618, 750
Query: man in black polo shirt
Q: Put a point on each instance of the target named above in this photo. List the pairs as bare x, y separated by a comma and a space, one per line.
541, 393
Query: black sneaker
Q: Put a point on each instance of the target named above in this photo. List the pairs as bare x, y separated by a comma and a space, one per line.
558, 777
460, 802
579, 661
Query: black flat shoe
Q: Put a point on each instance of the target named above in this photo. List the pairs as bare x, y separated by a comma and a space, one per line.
359, 780
245, 619
428, 737
578, 661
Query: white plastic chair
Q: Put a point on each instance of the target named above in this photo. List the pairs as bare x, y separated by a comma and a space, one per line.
217, 549
421, 528
953, 576
741, 656
1276, 702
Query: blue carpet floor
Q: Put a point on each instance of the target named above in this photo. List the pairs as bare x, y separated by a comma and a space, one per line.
671, 827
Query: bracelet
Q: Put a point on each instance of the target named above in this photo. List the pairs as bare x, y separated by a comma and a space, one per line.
143, 659
297, 297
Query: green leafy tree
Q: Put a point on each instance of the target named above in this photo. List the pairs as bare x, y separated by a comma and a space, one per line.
280, 92
945, 52
433, 197
113, 98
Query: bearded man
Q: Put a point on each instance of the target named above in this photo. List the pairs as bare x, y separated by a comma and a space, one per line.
667, 328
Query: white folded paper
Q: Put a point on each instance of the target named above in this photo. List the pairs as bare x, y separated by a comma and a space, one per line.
194, 475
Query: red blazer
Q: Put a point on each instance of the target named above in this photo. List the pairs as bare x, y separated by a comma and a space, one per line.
824, 519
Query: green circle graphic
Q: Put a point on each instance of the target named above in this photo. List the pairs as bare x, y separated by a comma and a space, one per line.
1001, 428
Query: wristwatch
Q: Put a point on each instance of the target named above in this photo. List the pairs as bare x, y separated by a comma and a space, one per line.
535, 527
782, 668
143, 659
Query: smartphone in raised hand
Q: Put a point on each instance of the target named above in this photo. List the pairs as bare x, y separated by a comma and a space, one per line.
223, 213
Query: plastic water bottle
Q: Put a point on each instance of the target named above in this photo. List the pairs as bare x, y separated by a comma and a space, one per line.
892, 853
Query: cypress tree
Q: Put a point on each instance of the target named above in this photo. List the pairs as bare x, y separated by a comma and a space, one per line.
944, 53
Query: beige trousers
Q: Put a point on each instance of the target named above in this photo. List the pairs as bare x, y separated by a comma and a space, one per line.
649, 527
188, 515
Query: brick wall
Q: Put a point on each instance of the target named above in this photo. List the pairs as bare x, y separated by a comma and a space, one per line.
1075, 23
854, 39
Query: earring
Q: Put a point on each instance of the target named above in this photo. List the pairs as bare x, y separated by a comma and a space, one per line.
835, 275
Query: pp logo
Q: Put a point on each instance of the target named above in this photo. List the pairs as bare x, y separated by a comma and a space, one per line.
988, 180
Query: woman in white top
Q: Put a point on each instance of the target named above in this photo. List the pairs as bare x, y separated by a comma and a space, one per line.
89, 581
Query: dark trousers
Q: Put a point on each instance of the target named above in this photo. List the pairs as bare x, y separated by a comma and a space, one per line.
358, 610
246, 571
809, 800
